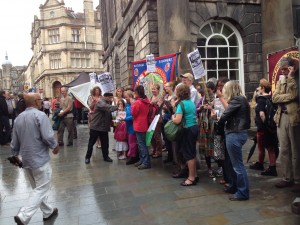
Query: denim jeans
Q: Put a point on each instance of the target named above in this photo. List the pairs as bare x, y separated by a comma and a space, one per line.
143, 150
234, 144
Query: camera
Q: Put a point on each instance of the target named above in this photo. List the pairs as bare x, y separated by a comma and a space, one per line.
15, 161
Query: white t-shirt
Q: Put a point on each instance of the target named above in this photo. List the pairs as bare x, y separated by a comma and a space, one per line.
46, 104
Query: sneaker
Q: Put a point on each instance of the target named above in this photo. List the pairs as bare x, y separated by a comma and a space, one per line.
284, 184
211, 173
271, 171
257, 166
122, 157
219, 172
138, 164
143, 167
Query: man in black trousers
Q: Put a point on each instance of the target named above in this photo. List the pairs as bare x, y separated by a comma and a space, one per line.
100, 126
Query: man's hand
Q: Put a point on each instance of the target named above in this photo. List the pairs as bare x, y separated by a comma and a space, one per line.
55, 150
291, 71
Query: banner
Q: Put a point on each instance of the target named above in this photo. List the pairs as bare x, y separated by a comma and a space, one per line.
273, 63
196, 64
106, 82
165, 67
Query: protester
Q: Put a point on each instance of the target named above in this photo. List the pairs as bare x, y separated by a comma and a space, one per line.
139, 112
92, 101
265, 138
156, 141
188, 79
287, 119
206, 129
100, 126
167, 115
66, 115
132, 141
5, 128
55, 116
120, 134
34, 147
236, 119
187, 142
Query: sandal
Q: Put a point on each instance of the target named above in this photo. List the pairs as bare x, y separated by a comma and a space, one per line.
193, 182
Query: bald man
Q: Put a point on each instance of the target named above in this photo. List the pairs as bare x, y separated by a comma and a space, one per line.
32, 138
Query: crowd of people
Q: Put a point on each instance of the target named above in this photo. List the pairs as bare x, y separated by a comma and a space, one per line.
216, 119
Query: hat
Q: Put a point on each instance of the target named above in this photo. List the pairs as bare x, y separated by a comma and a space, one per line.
108, 94
188, 75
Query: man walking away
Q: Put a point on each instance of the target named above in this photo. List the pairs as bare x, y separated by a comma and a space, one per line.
32, 138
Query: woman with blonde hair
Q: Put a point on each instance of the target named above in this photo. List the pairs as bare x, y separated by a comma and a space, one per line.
236, 119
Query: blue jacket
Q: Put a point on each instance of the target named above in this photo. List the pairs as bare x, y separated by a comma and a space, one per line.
128, 119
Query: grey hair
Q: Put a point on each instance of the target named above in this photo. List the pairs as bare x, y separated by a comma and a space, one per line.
286, 61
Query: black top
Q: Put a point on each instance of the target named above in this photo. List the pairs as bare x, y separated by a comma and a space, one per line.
261, 106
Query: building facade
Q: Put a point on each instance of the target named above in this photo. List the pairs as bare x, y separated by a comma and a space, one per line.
64, 44
11, 77
232, 36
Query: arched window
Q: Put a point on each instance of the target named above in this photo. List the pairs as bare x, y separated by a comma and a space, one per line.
220, 46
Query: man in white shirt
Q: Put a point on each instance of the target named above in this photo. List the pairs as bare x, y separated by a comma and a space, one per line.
188, 79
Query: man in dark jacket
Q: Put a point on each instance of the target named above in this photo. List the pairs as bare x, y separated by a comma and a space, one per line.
100, 126
5, 136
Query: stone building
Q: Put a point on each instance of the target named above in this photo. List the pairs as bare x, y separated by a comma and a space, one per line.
232, 36
10, 76
64, 44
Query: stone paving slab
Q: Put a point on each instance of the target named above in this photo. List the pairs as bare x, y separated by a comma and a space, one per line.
112, 193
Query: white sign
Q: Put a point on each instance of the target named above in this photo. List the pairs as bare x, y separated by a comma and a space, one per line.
106, 82
93, 78
196, 64
150, 61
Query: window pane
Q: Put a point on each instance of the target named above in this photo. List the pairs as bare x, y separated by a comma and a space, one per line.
216, 27
222, 64
223, 52
211, 64
211, 52
223, 73
234, 52
233, 64
211, 74
217, 40
227, 31
206, 30
233, 41
234, 75
202, 52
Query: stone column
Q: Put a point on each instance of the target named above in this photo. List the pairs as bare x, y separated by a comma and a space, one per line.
174, 29
277, 27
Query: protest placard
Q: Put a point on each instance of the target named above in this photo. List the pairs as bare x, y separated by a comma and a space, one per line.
196, 64
150, 61
106, 82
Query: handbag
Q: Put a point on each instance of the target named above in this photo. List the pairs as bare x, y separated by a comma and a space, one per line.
172, 130
219, 147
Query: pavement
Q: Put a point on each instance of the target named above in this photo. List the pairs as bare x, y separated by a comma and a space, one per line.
103, 193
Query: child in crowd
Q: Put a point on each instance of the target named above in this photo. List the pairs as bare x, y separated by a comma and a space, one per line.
121, 131
55, 117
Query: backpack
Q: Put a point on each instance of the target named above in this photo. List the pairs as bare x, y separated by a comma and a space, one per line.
270, 110
153, 111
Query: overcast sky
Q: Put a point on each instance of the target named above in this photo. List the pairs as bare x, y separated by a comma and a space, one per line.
16, 17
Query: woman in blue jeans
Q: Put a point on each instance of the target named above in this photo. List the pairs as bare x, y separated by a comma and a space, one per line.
236, 119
